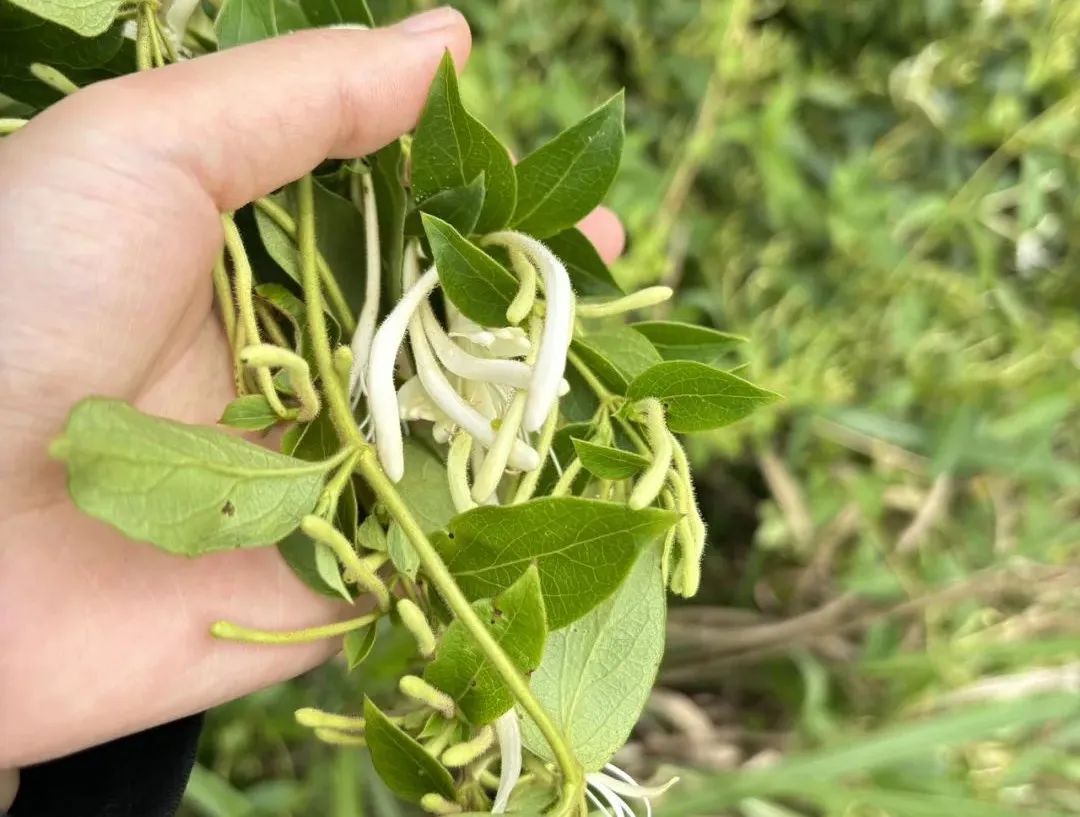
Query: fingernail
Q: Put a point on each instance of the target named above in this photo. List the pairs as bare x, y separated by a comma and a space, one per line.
429, 21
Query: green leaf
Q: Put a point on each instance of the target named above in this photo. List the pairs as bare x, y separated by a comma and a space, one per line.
210, 794
459, 206
580, 404
312, 441
402, 763
609, 463
563, 452
358, 644
426, 491
450, 149
337, 12
402, 554
686, 341
477, 284
339, 234
87, 18
460, 669
562, 181
617, 356
251, 412
370, 535
248, 21
582, 548
390, 200
425, 488
287, 305
314, 564
26, 38
597, 673
588, 272
184, 488
698, 397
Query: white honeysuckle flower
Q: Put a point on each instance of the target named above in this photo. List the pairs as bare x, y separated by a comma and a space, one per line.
471, 367
498, 341
177, 14
369, 312
454, 406
415, 404
558, 326
382, 397
508, 734
615, 785
612, 784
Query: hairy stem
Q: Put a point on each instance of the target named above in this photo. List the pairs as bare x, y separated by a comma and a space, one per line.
244, 281
434, 567
224, 296
144, 54
280, 216
527, 487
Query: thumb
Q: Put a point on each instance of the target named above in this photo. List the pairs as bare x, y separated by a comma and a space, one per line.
246, 120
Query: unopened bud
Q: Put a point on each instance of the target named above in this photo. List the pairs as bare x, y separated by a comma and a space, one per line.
420, 690
416, 623
462, 754
437, 804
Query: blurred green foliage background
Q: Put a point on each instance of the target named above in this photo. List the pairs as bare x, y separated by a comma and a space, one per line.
883, 198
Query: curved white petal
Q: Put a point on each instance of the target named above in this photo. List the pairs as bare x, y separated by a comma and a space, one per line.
599, 805
492, 370
618, 805
500, 341
446, 397
369, 313
558, 325
382, 402
508, 733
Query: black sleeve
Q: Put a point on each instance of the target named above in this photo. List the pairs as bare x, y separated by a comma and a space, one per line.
141, 775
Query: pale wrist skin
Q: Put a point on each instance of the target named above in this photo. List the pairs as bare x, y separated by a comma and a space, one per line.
113, 221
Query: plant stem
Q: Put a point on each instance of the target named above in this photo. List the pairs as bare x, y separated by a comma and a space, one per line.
10, 125
562, 487
591, 379
223, 293
144, 57
529, 481
280, 216
270, 323
244, 281
434, 567
153, 36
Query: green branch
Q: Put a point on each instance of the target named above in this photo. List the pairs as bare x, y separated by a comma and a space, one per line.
434, 567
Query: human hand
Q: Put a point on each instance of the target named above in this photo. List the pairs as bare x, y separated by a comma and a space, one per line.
109, 215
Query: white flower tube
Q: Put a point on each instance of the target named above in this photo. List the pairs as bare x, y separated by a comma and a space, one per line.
491, 370
382, 398
501, 371
508, 733
453, 405
369, 313
558, 325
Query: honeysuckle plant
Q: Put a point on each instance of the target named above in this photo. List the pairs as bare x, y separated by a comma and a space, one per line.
479, 444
